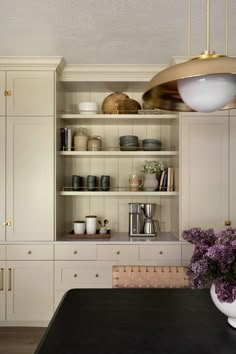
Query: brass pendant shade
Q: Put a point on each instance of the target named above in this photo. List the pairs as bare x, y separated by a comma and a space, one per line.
162, 91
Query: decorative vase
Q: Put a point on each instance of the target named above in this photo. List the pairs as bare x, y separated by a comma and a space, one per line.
150, 182
228, 309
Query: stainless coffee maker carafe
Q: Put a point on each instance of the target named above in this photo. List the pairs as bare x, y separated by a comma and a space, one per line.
141, 222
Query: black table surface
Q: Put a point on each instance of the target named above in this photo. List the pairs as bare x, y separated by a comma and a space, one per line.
128, 321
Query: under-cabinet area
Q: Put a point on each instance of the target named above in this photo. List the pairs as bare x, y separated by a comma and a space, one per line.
90, 264
111, 160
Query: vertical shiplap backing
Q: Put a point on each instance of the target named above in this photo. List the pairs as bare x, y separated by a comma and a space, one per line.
113, 208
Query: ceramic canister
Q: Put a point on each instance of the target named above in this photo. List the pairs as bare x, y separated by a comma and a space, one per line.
91, 224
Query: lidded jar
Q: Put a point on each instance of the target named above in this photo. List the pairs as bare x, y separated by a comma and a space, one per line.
95, 143
81, 140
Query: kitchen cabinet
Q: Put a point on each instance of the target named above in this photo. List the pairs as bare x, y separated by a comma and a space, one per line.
95, 85
123, 254
2, 282
2, 90
77, 266
205, 170
2, 178
30, 93
232, 168
27, 283
160, 254
27, 102
30, 178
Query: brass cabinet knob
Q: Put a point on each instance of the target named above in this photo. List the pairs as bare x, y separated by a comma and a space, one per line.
97, 275
7, 223
29, 252
75, 252
117, 252
227, 222
161, 252
75, 275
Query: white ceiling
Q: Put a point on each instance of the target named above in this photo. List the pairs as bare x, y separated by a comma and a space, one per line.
113, 31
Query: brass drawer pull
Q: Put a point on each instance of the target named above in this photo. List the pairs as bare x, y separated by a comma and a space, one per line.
75, 275
9, 279
1, 279
97, 275
117, 252
161, 252
29, 252
75, 252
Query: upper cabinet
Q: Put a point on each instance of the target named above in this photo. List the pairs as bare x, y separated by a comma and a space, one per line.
30, 93
232, 168
27, 148
2, 90
205, 150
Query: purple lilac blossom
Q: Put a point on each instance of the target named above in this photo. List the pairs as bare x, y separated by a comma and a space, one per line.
213, 260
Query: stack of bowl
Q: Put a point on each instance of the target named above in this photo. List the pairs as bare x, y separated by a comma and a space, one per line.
151, 145
129, 143
88, 108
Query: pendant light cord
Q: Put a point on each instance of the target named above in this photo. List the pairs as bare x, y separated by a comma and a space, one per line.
226, 27
208, 26
189, 29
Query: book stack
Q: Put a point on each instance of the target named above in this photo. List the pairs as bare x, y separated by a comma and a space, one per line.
167, 180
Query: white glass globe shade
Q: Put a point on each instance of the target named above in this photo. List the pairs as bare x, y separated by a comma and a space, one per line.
207, 93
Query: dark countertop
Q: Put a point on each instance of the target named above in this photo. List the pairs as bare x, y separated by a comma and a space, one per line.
138, 321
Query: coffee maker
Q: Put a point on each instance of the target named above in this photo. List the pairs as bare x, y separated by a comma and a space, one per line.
141, 222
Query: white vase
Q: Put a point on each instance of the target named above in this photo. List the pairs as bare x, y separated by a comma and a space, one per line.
150, 182
228, 309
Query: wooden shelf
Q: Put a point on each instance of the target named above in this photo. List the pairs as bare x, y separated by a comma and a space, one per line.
162, 117
117, 193
118, 153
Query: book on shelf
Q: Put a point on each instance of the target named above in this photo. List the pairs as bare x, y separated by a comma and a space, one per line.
170, 179
66, 139
167, 180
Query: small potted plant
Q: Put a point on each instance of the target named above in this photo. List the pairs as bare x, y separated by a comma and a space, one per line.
152, 172
214, 264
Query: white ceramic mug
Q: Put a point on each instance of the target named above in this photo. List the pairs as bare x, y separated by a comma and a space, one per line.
91, 224
79, 227
135, 183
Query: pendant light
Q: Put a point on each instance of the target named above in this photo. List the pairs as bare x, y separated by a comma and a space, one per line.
206, 83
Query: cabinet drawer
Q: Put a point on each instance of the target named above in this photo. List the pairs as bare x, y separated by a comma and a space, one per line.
187, 251
29, 252
76, 274
160, 252
75, 252
120, 253
2, 253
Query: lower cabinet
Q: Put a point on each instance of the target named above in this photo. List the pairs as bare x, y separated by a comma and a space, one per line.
34, 277
29, 290
2, 291
81, 274
160, 255
26, 283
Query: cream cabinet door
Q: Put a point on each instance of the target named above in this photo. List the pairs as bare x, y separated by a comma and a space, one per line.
31, 93
204, 170
232, 169
30, 182
2, 95
2, 291
2, 178
29, 290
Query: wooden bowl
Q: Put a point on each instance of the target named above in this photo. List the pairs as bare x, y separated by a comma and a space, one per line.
111, 102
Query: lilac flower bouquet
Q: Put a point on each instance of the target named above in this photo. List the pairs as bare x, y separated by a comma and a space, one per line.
213, 261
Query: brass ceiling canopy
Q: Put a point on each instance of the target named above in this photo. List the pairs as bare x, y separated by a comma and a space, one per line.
162, 91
